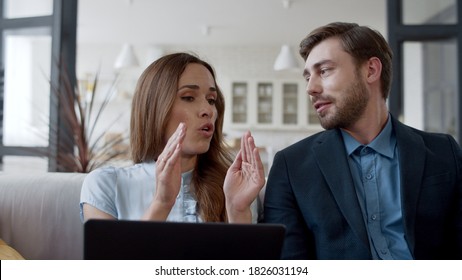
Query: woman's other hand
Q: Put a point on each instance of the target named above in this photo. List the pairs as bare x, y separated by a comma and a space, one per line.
244, 180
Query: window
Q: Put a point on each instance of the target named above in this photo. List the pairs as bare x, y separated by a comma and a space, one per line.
37, 37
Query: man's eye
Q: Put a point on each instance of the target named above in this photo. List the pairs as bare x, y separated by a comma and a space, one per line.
324, 71
212, 101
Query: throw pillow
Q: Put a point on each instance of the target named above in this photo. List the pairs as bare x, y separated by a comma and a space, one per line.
8, 253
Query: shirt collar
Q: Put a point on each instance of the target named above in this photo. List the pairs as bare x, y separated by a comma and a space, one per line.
187, 176
384, 143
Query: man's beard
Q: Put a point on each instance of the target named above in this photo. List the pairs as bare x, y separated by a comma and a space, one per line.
349, 107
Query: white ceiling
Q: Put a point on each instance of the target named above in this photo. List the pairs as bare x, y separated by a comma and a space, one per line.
230, 22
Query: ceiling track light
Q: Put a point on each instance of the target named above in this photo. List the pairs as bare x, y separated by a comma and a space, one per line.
205, 29
286, 3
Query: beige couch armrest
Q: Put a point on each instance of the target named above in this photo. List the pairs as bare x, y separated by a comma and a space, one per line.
39, 214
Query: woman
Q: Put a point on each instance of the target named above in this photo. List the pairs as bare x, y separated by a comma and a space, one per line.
182, 171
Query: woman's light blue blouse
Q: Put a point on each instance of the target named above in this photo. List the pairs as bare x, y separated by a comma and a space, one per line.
126, 192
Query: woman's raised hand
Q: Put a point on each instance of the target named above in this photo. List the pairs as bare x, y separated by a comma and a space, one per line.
244, 180
168, 177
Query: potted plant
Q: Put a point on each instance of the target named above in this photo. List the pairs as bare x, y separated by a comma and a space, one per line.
81, 114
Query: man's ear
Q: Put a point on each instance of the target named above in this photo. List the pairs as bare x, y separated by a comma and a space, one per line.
374, 69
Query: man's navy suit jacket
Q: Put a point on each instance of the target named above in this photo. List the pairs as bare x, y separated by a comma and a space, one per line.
311, 191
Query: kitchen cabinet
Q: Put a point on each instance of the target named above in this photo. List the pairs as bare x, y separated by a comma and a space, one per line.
276, 104
239, 101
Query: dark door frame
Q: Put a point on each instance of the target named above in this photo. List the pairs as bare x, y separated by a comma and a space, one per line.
398, 33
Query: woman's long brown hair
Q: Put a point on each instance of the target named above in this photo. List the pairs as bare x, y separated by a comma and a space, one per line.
151, 108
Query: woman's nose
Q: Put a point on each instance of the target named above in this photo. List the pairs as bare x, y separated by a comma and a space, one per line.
206, 109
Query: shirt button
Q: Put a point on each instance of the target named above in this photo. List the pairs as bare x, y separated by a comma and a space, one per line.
374, 217
369, 176
384, 251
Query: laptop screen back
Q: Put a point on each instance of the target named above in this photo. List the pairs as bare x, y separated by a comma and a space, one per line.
142, 240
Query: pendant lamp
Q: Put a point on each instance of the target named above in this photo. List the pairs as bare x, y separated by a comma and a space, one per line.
126, 58
286, 60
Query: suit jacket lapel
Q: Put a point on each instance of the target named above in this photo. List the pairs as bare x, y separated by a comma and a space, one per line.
337, 174
411, 158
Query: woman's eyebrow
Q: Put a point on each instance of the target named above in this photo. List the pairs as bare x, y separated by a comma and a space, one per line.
195, 87
189, 87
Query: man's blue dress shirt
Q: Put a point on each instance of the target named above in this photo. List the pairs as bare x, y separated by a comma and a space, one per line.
375, 171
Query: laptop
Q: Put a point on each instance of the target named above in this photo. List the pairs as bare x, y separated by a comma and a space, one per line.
146, 240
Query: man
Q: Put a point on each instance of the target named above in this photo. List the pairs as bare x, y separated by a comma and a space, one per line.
368, 187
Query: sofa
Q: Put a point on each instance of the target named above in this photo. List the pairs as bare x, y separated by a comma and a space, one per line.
39, 214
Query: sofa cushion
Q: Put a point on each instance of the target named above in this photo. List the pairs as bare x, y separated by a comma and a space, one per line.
39, 214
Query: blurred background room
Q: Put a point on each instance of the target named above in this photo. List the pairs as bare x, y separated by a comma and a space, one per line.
94, 51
